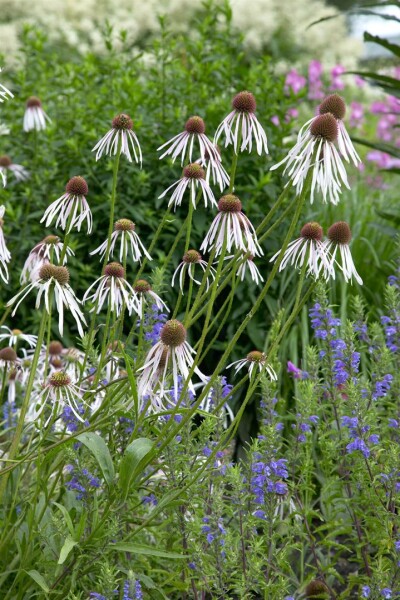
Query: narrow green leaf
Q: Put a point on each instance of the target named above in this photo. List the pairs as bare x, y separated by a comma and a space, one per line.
98, 448
130, 465
67, 517
393, 48
132, 382
147, 550
66, 549
40, 580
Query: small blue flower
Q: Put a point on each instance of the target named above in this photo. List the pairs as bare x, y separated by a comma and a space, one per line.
386, 593
366, 590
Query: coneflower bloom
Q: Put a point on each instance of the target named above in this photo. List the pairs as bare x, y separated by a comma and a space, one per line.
309, 249
182, 144
124, 231
189, 260
19, 171
193, 177
53, 279
48, 250
233, 226
121, 134
337, 249
58, 392
214, 169
5, 255
172, 353
4, 92
254, 360
142, 290
241, 125
15, 336
113, 288
335, 105
246, 263
8, 358
71, 209
34, 117
315, 149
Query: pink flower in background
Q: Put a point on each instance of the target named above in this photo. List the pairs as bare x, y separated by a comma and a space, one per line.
275, 120
384, 130
337, 82
314, 80
393, 104
396, 72
383, 160
356, 114
359, 81
378, 108
295, 81
292, 113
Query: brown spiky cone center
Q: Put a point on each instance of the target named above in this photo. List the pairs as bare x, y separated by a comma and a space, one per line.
122, 121
339, 233
59, 379
5, 161
33, 101
312, 231
194, 171
229, 203
244, 102
333, 104
256, 356
325, 127
55, 348
142, 286
8, 355
77, 186
316, 589
173, 333
114, 269
195, 125
191, 256
60, 274
124, 225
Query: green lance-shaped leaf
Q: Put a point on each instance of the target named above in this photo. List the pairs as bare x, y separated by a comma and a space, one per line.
98, 448
131, 462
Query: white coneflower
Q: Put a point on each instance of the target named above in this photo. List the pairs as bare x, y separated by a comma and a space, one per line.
8, 358
193, 176
307, 248
316, 150
214, 169
189, 260
35, 117
112, 288
4, 92
182, 144
337, 247
242, 124
171, 353
233, 225
15, 336
120, 134
71, 209
246, 262
53, 278
143, 289
6, 164
335, 105
124, 231
48, 250
254, 360
5, 255
58, 392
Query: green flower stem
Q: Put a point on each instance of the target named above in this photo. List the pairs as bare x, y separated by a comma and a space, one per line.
120, 324
177, 305
103, 345
25, 403
224, 312
90, 337
113, 198
273, 209
278, 221
199, 299
3, 385
189, 297
249, 315
154, 241
190, 219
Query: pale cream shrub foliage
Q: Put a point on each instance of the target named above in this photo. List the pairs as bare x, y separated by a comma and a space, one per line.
80, 23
